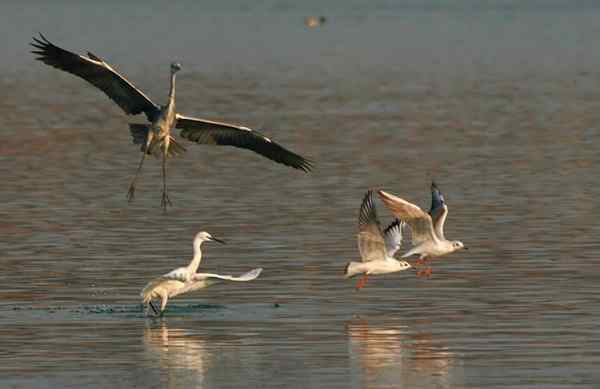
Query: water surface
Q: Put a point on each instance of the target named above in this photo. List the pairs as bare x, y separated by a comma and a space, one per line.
496, 101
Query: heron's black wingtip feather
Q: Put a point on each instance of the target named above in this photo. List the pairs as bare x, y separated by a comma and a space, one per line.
306, 165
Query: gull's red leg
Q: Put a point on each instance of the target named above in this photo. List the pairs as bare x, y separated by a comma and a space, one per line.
362, 282
421, 261
425, 272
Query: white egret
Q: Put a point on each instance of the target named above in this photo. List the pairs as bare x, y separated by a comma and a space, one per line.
185, 279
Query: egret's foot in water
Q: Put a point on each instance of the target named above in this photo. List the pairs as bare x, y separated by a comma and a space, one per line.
156, 313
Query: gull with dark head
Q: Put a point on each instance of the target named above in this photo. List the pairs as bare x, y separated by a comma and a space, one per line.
427, 229
376, 247
185, 279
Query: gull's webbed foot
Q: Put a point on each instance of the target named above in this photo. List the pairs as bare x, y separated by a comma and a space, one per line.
425, 272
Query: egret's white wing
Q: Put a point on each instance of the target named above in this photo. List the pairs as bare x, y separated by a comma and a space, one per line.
160, 282
249, 276
393, 237
421, 226
370, 241
204, 280
180, 274
191, 286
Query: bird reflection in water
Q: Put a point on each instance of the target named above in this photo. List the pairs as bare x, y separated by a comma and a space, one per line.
394, 356
183, 357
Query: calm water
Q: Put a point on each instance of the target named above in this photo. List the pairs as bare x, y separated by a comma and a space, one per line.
498, 101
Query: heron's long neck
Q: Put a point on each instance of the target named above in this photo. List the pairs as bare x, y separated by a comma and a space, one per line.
193, 266
172, 90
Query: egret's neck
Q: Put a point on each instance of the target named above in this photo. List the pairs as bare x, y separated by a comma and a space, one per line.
193, 266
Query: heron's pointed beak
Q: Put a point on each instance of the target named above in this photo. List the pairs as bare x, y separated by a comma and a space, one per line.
218, 240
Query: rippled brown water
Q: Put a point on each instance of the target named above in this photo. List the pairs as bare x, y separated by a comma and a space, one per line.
500, 106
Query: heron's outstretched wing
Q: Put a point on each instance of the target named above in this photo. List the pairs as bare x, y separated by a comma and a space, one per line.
421, 226
393, 237
98, 73
249, 276
438, 211
215, 133
371, 244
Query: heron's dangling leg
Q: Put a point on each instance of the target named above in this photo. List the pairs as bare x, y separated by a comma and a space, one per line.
131, 192
165, 197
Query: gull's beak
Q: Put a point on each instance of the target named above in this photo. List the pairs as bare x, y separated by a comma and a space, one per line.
465, 248
218, 240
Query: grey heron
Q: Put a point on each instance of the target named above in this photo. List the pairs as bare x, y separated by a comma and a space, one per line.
185, 279
154, 138
376, 247
427, 229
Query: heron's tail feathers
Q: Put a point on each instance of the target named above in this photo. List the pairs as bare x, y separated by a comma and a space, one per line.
141, 135
175, 149
352, 269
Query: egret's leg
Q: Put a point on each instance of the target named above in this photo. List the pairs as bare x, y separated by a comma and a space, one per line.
165, 197
163, 303
362, 282
154, 308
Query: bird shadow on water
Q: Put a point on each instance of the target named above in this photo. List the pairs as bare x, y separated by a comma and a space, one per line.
189, 309
15, 313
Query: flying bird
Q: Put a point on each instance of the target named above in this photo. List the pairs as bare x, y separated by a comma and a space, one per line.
185, 279
154, 137
427, 229
376, 247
